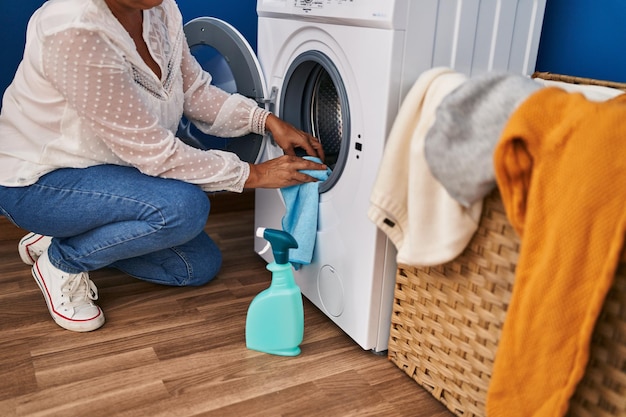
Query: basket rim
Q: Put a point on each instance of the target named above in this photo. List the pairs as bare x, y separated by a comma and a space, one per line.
571, 79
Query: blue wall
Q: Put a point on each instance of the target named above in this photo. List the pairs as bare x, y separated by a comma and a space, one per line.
580, 37
13, 19
584, 38
239, 13
14, 15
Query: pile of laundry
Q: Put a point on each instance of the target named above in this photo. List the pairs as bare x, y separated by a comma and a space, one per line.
557, 159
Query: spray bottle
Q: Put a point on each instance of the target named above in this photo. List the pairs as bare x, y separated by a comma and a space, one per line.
275, 320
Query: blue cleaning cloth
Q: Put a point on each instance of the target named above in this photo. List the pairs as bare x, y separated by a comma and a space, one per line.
300, 219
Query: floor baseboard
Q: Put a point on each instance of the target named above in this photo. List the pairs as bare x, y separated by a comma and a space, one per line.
226, 202
9, 231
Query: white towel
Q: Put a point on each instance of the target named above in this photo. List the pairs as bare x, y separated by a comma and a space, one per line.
427, 226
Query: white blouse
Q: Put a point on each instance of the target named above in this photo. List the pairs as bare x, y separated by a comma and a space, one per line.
83, 96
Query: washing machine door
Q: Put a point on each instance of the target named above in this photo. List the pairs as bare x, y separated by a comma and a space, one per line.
228, 57
315, 100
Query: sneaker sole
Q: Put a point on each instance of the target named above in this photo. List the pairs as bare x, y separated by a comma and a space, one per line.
24, 245
65, 322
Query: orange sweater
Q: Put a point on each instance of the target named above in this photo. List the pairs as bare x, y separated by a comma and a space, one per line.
561, 169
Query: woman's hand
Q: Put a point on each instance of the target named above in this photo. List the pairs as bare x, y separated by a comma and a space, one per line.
289, 138
280, 172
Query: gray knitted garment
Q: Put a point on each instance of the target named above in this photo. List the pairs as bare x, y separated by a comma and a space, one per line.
469, 121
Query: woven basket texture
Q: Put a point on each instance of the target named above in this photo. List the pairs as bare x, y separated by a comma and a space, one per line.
447, 322
579, 80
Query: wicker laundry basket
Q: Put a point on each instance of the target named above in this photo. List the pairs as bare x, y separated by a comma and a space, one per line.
447, 321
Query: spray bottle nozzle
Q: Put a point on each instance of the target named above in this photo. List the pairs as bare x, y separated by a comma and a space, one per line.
281, 242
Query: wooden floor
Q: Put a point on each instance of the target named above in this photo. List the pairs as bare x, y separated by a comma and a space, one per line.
181, 351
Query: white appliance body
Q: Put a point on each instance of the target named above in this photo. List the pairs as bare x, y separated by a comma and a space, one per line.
350, 63
374, 50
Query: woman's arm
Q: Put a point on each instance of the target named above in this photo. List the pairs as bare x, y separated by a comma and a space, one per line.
95, 81
222, 114
213, 110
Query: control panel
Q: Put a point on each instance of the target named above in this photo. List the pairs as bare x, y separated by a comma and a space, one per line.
309, 3
369, 13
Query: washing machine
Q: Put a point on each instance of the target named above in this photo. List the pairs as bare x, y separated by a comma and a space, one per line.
339, 70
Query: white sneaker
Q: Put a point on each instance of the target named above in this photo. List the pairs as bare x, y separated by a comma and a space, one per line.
69, 296
32, 246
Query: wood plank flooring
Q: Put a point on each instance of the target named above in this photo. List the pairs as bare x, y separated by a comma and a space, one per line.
181, 351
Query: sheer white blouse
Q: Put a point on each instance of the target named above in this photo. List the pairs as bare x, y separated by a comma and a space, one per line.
83, 96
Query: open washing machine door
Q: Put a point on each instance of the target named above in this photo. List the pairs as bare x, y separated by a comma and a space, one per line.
228, 57
314, 99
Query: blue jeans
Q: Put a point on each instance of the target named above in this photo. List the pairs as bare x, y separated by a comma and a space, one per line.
113, 216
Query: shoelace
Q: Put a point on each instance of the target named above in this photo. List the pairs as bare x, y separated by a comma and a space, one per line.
37, 252
79, 289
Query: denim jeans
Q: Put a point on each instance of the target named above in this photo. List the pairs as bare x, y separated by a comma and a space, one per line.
113, 216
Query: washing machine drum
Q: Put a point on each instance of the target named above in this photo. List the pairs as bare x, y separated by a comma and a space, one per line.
314, 99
